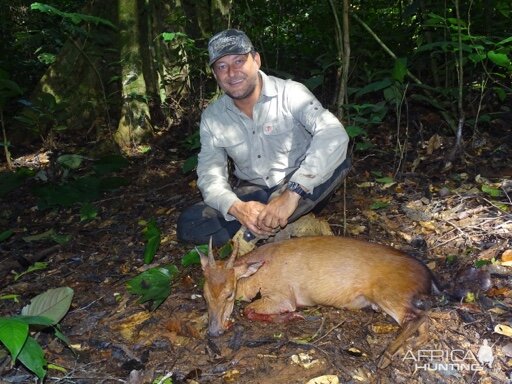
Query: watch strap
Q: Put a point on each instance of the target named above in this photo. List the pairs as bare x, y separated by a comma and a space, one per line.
297, 188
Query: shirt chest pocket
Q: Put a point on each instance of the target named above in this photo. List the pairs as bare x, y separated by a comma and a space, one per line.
280, 134
234, 144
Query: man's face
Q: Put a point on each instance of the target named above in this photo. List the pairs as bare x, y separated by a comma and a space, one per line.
237, 75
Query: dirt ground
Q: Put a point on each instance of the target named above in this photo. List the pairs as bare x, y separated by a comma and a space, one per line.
435, 210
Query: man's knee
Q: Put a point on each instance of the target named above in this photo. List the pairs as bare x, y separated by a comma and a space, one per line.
198, 223
184, 230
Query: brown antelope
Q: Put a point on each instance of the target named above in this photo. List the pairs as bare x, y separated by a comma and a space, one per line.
325, 270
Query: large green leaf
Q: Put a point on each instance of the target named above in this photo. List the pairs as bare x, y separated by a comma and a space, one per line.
13, 334
75, 18
32, 357
5, 235
152, 235
189, 164
400, 69
34, 320
375, 86
70, 161
500, 59
153, 284
192, 257
53, 304
109, 163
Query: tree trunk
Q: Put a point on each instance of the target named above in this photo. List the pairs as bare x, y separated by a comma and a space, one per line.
134, 123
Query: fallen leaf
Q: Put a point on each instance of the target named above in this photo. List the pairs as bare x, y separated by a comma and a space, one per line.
326, 379
231, 376
304, 360
356, 229
503, 291
128, 325
429, 226
383, 328
434, 143
503, 329
506, 256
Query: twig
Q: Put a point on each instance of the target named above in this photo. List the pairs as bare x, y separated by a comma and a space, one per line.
383, 45
8, 159
444, 242
329, 331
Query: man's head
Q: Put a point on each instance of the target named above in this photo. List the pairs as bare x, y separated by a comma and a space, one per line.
228, 42
235, 64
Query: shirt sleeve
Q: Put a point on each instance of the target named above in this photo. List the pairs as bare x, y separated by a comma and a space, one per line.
328, 147
212, 173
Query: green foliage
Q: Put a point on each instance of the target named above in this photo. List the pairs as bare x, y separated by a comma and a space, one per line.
37, 266
362, 117
191, 143
192, 257
153, 285
45, 310
109, 163
70, 161
45, 116
5, 235
152, 235
71, 188
88, 212
8, 88
53, 304
385, 181
491, 191
73, 17
9, 181
163, 380
376, 205
81, 189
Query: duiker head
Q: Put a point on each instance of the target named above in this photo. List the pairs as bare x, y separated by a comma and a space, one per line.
220, 282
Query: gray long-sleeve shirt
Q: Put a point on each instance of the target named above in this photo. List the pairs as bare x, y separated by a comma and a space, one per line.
290, 130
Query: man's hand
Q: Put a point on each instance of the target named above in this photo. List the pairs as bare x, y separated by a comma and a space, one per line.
247, 214
276, 213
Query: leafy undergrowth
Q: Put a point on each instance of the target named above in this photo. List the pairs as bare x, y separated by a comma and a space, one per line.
453, 216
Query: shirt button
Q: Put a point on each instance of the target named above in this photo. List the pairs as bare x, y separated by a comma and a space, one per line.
266, 178
253, 132
259, 156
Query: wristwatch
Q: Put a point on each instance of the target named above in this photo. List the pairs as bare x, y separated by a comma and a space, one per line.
297, 188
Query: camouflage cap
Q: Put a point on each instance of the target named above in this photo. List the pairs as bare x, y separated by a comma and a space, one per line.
228, 42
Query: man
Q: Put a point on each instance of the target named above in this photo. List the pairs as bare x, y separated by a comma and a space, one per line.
288, 152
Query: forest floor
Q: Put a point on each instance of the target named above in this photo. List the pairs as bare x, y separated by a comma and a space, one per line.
447, 215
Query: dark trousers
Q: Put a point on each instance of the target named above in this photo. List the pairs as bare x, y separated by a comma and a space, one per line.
196, 224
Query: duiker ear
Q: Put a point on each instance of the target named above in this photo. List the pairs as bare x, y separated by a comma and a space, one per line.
204, 260
207, 261
247, 269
